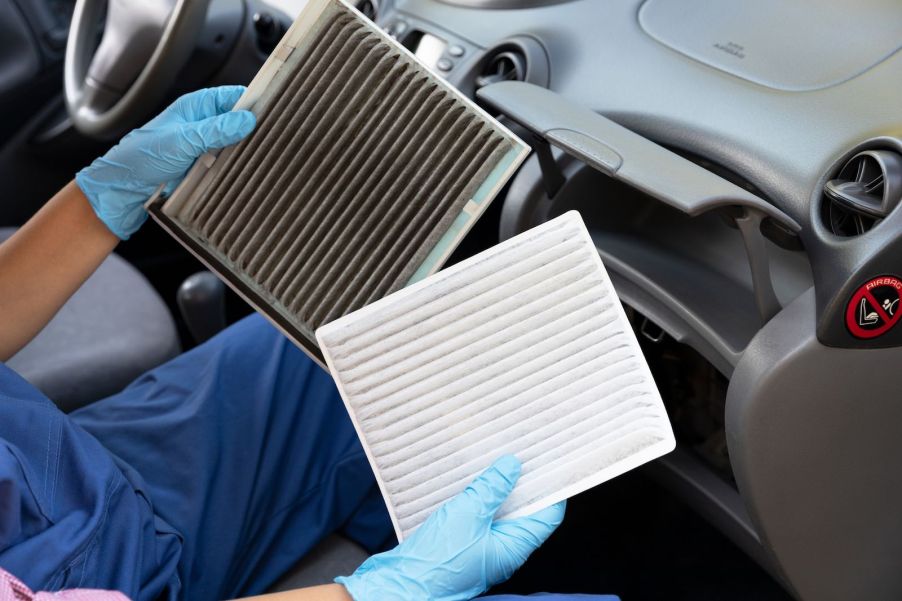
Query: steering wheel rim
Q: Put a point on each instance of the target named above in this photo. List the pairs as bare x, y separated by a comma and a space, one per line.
110, 91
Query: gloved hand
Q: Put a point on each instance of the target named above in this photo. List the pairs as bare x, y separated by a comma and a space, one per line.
119, 183
460, 551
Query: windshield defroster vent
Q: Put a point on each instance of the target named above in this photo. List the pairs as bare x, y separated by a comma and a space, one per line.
866, 189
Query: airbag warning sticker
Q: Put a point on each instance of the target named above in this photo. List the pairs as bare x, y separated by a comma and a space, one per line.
874, 308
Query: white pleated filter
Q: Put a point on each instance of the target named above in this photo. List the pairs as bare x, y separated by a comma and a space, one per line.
521, 349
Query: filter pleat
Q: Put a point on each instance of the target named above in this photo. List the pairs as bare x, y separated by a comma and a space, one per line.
247, 157
296, 250
533, 302
373, 238
354, 185
293, 216
535, 261
417, 224
480, 373
424, 425
325, 120
411, 183
425, 230
364, 205
277, 144
608, 416
303, 131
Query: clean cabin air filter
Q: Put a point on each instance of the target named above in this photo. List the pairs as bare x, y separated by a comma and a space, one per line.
522, 349
363, 174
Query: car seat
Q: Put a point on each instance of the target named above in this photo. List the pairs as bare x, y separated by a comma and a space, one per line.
114, 328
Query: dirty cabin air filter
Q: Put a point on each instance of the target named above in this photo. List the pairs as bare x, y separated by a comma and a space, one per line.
363, 174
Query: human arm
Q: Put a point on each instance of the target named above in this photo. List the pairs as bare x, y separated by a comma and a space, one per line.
45, 262
49, 258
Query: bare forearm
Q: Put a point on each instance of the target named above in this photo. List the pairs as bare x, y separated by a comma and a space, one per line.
45, 262
329, 592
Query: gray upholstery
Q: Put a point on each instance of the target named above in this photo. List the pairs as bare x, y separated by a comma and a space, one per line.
334, 556
113, 329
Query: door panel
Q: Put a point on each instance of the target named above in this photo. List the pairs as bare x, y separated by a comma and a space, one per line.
20, 60
32, 42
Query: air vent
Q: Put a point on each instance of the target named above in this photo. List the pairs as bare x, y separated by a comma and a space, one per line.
520, 58
504, 65
864, 191
369, 8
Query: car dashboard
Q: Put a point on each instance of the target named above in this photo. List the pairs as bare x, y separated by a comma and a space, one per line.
738, 164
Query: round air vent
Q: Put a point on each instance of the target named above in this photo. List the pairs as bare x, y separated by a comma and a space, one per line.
503, 65
520, 58
864, 191
369, 8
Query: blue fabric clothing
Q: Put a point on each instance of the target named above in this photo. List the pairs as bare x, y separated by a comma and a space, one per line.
206, 478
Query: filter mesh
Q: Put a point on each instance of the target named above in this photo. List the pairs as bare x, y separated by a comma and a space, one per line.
522, 349
360, 163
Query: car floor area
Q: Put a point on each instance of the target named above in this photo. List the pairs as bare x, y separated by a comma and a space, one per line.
632, 538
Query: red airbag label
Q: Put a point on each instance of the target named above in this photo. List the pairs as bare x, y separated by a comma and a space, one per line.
874, 308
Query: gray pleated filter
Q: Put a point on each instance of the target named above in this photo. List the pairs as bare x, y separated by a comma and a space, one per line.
363, 175
522, 349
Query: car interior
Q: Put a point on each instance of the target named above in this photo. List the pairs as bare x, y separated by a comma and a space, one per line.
738, 164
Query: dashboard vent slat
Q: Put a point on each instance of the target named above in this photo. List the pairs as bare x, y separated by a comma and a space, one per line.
866, 189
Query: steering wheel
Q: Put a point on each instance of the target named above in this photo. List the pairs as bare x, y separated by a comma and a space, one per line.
145, 44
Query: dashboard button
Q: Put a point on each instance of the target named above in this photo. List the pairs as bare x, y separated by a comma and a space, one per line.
456, 51
444, 64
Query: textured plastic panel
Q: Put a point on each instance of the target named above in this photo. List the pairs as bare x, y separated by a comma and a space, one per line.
621, 153
782, 44
813, 435
363, 174
522, 349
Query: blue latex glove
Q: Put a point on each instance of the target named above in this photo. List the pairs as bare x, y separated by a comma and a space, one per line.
460, 551
119, 183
